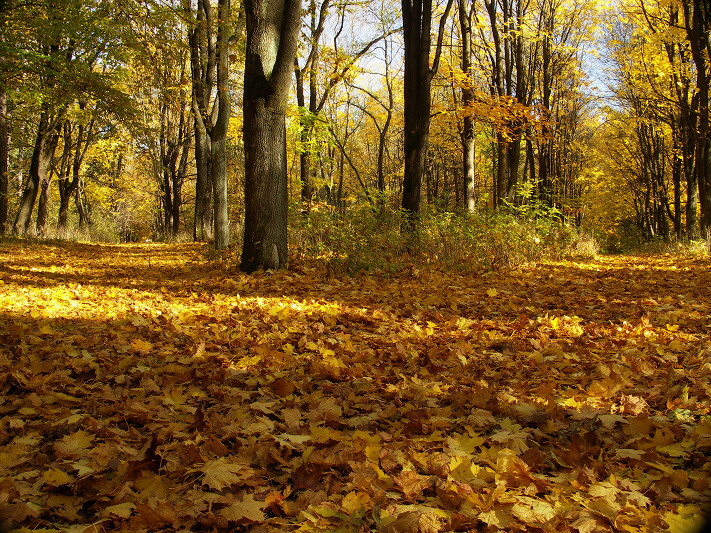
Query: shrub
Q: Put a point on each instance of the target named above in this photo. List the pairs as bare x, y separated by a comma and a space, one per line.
365, 240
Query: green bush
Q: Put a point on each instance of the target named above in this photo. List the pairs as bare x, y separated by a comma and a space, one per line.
363, 240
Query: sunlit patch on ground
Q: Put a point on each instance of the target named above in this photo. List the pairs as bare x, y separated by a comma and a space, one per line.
146, 387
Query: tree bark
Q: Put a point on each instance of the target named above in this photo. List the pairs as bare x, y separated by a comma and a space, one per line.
45, 143
203, 223
4, 159
69, 177
418, 75
305, 136
43, 204
697, 15
207, 58
218, 133
272, 34
468, 146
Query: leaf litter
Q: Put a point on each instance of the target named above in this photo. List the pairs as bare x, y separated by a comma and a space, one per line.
145, 388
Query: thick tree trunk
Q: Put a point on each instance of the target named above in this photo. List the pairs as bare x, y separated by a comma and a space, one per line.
417, 25
45, 143
417, 21
272, 33
209, 61
265, 238
697, 16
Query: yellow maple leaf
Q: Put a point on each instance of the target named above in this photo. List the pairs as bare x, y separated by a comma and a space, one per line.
247, 510
689, 518
533, 511
74, 444
221, 473
464, 444
122, 510
354, 501
496, 517
55, 477
141, 346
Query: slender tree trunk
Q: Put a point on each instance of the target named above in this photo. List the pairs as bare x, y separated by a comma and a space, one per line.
64, 182
305, 120
382, 140
513, 154
218, 134
178, 181
692, 182
468, 146
502, 170
203, 223
219, 191
4, 159
83, 212
43, 205
272, 34
203, 67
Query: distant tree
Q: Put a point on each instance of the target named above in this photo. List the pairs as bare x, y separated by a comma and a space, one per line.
77, 136
209, 40
57, 45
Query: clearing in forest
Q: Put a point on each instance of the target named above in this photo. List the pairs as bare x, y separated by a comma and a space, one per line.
145, 388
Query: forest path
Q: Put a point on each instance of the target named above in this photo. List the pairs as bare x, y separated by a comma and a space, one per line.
147, 388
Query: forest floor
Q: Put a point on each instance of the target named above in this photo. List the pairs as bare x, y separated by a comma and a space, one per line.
147, 388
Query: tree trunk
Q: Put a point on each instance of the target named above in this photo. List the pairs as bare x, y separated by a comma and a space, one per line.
305, 122
468, 146
178, 181
272, 34
4, 159
697, 15
418, 75
84, 220
45, 143
219, 191
417, 21
202, 227
209, 58
218, 133
43, 205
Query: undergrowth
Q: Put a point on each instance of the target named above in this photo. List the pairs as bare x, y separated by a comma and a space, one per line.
693, 248
365, 241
